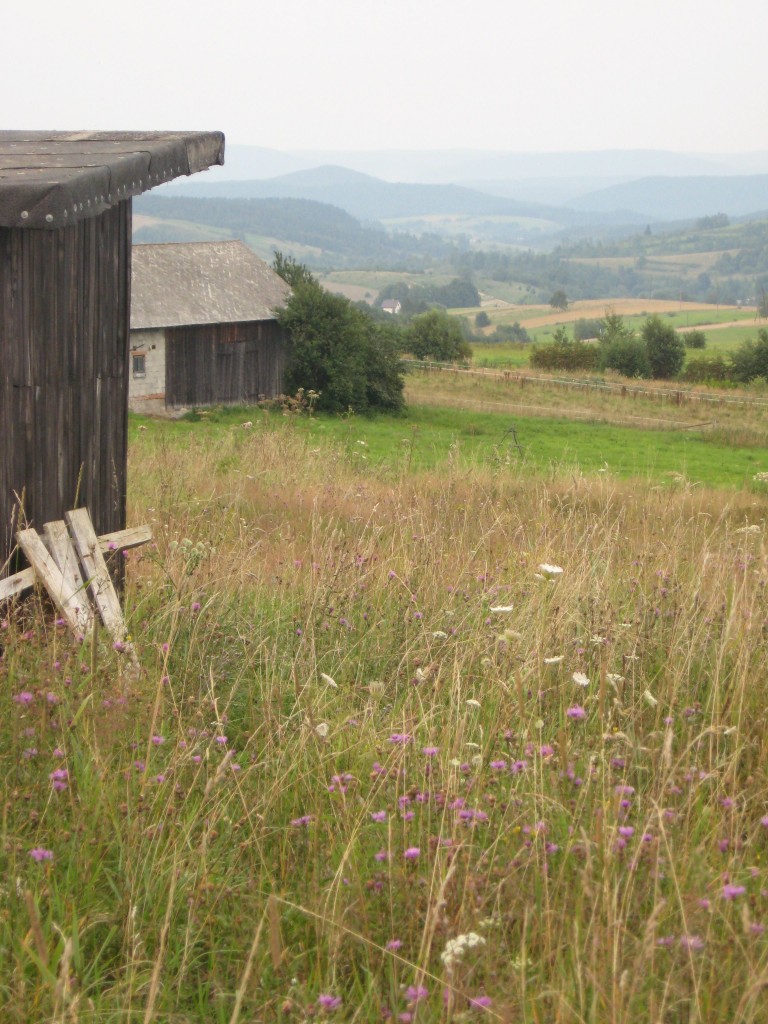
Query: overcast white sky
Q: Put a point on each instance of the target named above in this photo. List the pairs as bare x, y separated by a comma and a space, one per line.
545, 75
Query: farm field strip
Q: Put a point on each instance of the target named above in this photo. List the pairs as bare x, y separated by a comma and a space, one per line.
672, 394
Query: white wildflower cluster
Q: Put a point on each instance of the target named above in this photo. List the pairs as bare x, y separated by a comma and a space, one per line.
456, 948
192, 554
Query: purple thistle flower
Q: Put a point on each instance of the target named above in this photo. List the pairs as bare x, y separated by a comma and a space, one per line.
379, 816
430, 751
329, 1002
306, 819
416, 992
400, 738
25, 697
480, 1002
576, 712
412, 853
730, 891
39, 854
394, 945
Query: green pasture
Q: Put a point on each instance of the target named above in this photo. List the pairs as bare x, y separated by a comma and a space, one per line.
430, 438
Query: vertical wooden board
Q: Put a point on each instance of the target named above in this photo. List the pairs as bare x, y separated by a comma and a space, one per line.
104, 594
59, 544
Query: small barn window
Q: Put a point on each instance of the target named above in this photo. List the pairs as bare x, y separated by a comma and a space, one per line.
139, 365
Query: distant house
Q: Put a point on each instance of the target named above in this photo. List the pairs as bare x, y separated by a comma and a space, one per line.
392, 306
203, 329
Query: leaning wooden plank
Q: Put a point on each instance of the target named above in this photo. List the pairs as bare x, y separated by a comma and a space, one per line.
49, 573
104, 595
123, 539
120, 540
17, 584
59, 543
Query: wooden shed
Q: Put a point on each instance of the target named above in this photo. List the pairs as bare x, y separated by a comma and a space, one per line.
65, 286
203, 328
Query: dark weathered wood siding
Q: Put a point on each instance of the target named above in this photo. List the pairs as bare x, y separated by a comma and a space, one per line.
224, 363
64, 316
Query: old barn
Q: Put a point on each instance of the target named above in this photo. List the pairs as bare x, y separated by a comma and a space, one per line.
65, 287
203, 329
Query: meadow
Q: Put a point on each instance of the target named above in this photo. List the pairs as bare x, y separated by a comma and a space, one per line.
424, 732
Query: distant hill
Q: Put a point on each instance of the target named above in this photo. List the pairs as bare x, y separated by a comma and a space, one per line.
337, 237
470, 166
681, 198
370, 198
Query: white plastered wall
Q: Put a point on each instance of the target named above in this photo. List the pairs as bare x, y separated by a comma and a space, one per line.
148, 390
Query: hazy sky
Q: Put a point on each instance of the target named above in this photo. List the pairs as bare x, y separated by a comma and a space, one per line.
686, 75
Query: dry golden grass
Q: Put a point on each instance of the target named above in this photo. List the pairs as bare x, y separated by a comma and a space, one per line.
354, 744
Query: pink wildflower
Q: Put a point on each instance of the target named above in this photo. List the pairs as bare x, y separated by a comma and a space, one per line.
576, 712
730, 891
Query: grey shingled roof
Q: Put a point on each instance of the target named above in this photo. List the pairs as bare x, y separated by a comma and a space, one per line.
52, 179
183, 283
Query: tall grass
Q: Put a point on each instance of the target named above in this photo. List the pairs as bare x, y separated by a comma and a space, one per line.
370, 723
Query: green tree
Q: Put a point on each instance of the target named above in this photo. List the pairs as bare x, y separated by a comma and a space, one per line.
292, 272
627, 356
436, 335
338, 350
665, 348
750, 360
695, 339
559, 300
482, 319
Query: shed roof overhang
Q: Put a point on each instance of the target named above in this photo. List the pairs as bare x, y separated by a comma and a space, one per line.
53, 179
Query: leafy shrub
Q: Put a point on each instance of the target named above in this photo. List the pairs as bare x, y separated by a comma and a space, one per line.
337, 350
707, 370
564, 354
510, 332
695, 339
627, 356
750, 360
585, 328
665, 348
436, 335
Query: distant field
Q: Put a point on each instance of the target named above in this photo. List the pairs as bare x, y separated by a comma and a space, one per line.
373, 281
191, 231
486, 231
536, 316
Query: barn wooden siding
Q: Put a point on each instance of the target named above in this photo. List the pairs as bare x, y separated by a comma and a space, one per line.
64, 320
224, 363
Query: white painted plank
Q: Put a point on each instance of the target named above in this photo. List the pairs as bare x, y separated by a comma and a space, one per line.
59, 543
50, 575
14, 585
95, 568
121, 540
